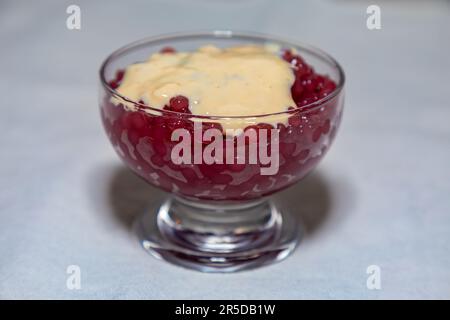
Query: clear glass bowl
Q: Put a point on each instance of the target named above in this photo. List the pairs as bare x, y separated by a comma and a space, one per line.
218, 217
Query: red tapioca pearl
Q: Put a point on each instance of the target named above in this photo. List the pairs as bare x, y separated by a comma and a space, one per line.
289, 165
316, 134
124, 121
179, 104
189, 174
160, 148
137, 120
133, 137
113, 84
159, 132
311, 83
308, 98
292, 58
290, 135
302, 70
174, 123
119, 75
285, 133
326, 127
297, 90
331, 109
210, 138
211, 125
287, 149
303, 154
265, 126
145, 131
295, 120
205, 169
250, 135
167, 50
235, 167
281, 129
260, 127
287, 55
313, 119
265, 129
210, 170
153, 121
218, 167
141, 103
297, 62
157, 160
319, 87
144, 156
328, 86
253, 127
159, 120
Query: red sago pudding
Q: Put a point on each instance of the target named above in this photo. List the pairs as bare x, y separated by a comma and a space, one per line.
218, 217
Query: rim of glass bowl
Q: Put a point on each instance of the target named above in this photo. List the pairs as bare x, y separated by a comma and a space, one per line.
226, 34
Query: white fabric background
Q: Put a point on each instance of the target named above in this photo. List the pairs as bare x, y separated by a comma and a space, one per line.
381, 196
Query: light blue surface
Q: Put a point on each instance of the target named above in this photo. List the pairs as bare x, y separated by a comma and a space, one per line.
381, 196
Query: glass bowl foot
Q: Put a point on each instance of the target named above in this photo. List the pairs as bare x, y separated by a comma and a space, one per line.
218, 237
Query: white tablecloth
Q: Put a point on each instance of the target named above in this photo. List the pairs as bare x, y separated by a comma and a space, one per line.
381, 197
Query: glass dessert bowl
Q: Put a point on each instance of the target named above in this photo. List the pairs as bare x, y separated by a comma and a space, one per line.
219, 168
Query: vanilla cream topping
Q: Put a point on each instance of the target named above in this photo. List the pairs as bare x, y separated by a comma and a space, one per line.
236, 81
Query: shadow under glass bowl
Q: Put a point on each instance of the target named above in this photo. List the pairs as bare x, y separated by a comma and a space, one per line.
218, 217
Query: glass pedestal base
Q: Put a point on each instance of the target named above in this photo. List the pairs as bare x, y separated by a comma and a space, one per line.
218, 237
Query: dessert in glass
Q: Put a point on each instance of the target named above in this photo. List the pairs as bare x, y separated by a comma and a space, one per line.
220, 121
